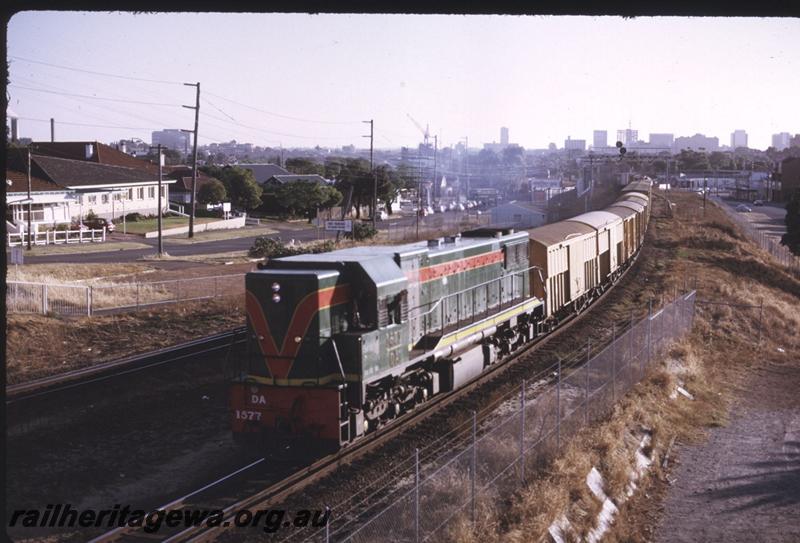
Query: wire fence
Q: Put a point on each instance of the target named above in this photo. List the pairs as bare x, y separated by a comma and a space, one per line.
443, 489
59, 299
769, 243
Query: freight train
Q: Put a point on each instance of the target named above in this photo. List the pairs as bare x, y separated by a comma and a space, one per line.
340, 343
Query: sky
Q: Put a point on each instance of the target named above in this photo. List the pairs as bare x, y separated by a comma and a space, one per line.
299, 80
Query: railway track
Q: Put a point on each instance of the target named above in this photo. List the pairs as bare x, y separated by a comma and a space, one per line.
109, 370
248, 487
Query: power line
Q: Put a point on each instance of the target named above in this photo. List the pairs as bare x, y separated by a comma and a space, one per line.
73, 69
279, 115
271, 131
90, 125
94, 97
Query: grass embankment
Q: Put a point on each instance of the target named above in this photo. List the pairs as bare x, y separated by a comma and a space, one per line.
711, 364
39, 345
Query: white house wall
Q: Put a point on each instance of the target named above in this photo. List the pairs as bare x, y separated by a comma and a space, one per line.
113, 206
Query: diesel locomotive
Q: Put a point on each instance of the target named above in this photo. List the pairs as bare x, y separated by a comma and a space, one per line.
343, 342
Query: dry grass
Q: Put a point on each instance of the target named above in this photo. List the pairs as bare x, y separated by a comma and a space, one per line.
37, 346
70, 273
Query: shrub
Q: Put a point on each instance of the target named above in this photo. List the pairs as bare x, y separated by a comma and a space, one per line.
265, 247
361, 230
134, 217
91, 215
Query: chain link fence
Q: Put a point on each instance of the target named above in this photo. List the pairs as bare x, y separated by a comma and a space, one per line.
44, 298
441, 491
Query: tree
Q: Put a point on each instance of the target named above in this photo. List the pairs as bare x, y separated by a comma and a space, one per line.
212, 192
304, 166
171, 156
792, 236
354, 173
305, 197
240, 185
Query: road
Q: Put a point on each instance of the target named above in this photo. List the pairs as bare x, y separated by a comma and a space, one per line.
397, 228
769, 218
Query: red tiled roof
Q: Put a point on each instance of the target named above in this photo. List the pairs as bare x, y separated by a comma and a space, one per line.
101, 154
183, 177
19, 183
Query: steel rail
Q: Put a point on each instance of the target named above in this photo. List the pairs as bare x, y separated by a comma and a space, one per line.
123, 366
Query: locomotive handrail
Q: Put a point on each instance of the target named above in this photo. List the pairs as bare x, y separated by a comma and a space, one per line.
439, 301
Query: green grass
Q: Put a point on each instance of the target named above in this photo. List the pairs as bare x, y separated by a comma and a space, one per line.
151, 225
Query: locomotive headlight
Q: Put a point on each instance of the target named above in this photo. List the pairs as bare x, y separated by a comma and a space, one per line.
276, 297
276, 287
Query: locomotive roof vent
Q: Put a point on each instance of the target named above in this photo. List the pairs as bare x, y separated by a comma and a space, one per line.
437, 242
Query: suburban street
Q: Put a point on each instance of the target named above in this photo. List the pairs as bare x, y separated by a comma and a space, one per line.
769, 218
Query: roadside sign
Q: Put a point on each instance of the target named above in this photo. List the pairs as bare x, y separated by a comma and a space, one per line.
339, 226
17, 255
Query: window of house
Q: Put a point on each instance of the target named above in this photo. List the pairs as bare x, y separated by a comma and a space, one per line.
104, 198
92, 198
140, 193
118, 197
151, 192
163, 192
130, 194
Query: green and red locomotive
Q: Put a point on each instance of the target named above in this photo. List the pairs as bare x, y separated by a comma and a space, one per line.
340, 343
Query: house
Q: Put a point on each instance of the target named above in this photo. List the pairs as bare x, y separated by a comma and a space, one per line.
262, 172
67, 189
181, 191
519, 214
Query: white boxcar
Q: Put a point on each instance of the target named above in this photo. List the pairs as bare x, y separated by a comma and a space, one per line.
561, 250
610, 237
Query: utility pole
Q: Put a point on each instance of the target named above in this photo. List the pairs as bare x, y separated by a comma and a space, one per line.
372, 171
466, 163
436, 188
30, 206
196, 109
160, 208
52, 129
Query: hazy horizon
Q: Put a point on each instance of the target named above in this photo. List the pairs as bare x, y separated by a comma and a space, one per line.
300, 80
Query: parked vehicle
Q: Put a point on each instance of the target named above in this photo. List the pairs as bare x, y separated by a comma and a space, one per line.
741, 208
758, 203
99, 223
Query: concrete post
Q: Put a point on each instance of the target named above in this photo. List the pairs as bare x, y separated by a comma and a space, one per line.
522, 431
474, 463
416, 495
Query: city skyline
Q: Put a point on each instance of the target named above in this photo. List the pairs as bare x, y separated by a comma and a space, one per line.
545, 78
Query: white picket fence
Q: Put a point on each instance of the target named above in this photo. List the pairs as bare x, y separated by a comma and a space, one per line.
55, 237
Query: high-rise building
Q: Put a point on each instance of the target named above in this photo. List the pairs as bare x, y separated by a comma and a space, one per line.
661, 140
698, 142
599, 139
781, 141
503, 135
172, 138
574, 145
627, 136
738, 139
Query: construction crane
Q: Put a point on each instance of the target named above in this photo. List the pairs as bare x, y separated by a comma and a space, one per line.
425, 131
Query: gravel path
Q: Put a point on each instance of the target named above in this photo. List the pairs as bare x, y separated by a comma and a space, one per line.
743, 483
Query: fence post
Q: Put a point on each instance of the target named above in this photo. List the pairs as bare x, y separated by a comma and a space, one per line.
630, 349
760, 319
416, 495
137, 296
44, 299
558, 407
474, 462
614, 362
586, 390
89, 301
215, 286
522, 431
649, 331
327, 524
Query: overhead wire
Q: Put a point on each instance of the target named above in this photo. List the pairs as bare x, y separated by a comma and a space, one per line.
94, 97
83, 70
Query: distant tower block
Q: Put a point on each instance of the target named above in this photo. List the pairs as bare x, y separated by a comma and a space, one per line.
503, 135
